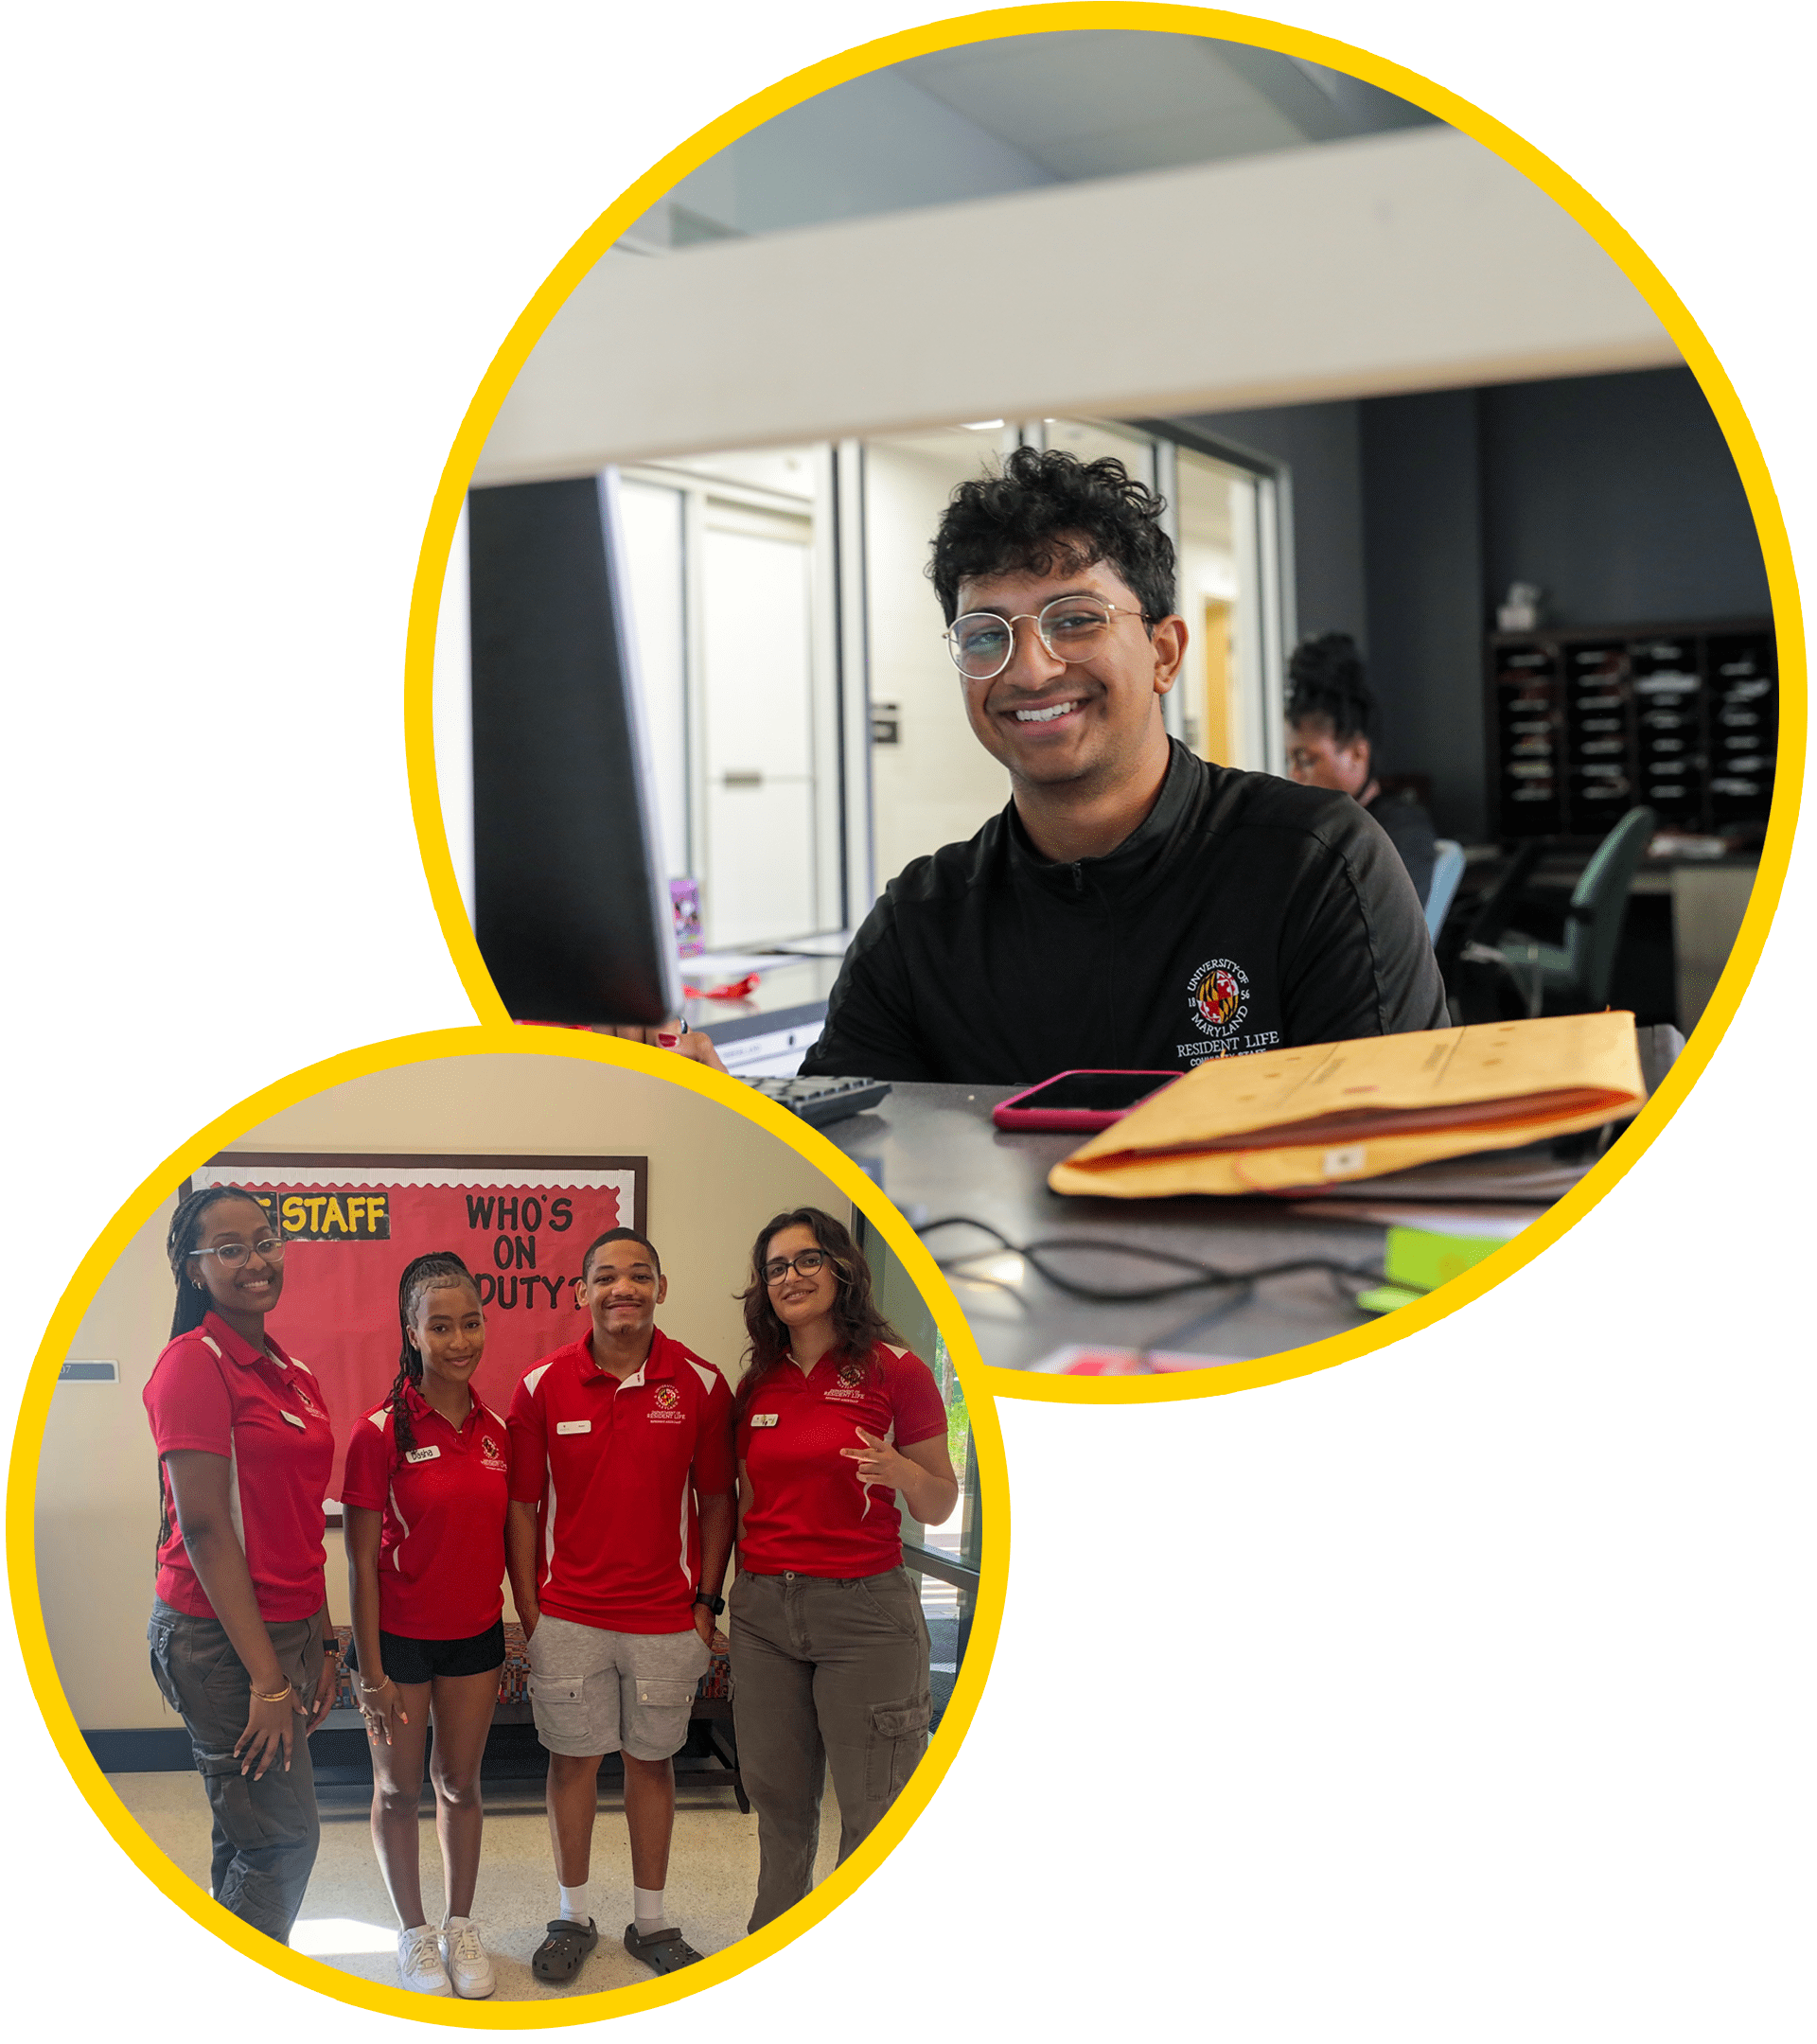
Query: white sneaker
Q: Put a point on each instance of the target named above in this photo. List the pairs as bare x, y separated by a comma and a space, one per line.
419, 1961
468, 1966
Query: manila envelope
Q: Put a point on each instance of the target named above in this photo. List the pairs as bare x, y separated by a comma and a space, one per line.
1284, 1120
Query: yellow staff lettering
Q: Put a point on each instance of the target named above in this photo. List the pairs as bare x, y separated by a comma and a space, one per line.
376, 1210
317, 1201
356, 1206
334, 1218
294, 1211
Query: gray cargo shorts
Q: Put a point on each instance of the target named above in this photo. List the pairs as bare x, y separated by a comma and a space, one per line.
595, 1692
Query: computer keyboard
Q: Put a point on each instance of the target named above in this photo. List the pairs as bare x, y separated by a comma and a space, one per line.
821, 1101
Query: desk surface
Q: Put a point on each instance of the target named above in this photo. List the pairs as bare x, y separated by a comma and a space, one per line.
1559, 873
794, 990
936, 1154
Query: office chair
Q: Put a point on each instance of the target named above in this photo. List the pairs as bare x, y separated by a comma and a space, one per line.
1447, 870
1575, 974
1489, 916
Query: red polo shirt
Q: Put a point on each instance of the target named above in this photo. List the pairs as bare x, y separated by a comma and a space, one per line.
264, 1412
614, 1468
441, 1545
808, 1510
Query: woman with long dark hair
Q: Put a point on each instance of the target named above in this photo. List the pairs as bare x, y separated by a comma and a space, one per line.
833, 1419
240, 1639
425, 1492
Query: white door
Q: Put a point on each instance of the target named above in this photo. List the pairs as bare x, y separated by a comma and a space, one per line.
758, 728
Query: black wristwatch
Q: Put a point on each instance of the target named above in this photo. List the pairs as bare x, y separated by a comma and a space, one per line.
714, 1604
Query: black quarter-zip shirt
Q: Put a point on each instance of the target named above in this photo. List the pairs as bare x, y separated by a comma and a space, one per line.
1245, 913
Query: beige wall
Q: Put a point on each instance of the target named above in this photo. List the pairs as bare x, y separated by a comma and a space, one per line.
714, 1180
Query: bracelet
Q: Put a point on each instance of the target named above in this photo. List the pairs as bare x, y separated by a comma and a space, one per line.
277, 1696
374, 1688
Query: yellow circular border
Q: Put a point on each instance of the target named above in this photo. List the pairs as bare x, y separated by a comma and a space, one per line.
1460, 114
22, 1568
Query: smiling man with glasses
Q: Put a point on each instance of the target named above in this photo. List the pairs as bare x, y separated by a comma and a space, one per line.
1133, 906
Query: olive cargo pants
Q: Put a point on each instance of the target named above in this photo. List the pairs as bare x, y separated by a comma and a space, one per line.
827, 1672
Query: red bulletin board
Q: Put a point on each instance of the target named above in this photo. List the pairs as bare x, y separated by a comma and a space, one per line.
520, 1225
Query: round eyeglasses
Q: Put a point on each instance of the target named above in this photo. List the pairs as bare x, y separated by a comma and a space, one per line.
233, 1254
1072, 627
803, 1265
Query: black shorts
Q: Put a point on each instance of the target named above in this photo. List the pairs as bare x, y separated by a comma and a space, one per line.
422, 1660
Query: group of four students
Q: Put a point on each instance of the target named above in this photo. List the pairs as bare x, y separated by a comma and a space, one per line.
611, 1494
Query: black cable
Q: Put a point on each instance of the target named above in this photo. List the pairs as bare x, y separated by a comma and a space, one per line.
1203, 1274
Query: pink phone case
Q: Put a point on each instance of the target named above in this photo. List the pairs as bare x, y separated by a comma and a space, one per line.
1010, 1115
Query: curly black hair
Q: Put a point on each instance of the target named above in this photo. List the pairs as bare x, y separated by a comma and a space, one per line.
1033, 517
1325, 680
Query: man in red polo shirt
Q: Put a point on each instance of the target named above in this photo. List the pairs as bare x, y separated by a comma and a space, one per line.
620, 1523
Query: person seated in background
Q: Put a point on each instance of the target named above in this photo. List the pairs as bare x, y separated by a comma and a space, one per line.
1133, 907
1329, 712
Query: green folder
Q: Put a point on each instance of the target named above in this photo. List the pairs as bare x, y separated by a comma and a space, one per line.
1424, 1259
1418, 1260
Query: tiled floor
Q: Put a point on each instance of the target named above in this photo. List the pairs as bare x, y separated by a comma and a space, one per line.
347, 1920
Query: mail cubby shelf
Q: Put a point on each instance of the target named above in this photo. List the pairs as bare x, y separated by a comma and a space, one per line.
1585, 723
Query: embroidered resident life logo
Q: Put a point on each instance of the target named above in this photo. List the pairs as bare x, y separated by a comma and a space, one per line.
667, 1397
1218, 998
850, 1375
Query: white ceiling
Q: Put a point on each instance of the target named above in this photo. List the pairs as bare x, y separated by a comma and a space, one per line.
1012, 115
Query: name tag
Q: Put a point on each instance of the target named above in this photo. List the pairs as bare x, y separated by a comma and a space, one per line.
292, 1420
765, 1418
573, 1426
422, 1454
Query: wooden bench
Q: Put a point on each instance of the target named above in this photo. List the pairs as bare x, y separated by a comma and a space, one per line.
712, 1706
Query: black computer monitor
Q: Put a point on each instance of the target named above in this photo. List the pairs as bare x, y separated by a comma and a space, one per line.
570, 903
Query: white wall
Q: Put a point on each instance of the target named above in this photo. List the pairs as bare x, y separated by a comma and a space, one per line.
715, 1179
937, 784
1217, 291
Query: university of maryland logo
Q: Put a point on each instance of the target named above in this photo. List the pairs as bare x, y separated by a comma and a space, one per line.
489, 1447
1218, 997
667, 1397
851, 1376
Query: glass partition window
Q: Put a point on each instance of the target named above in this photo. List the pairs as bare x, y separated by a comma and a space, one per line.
1228, 710
731, 600
944, 1559
931, 782
809, 730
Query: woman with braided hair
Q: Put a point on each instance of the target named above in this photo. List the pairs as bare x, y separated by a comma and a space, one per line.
1329, 712
425, 1494
239, 1633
